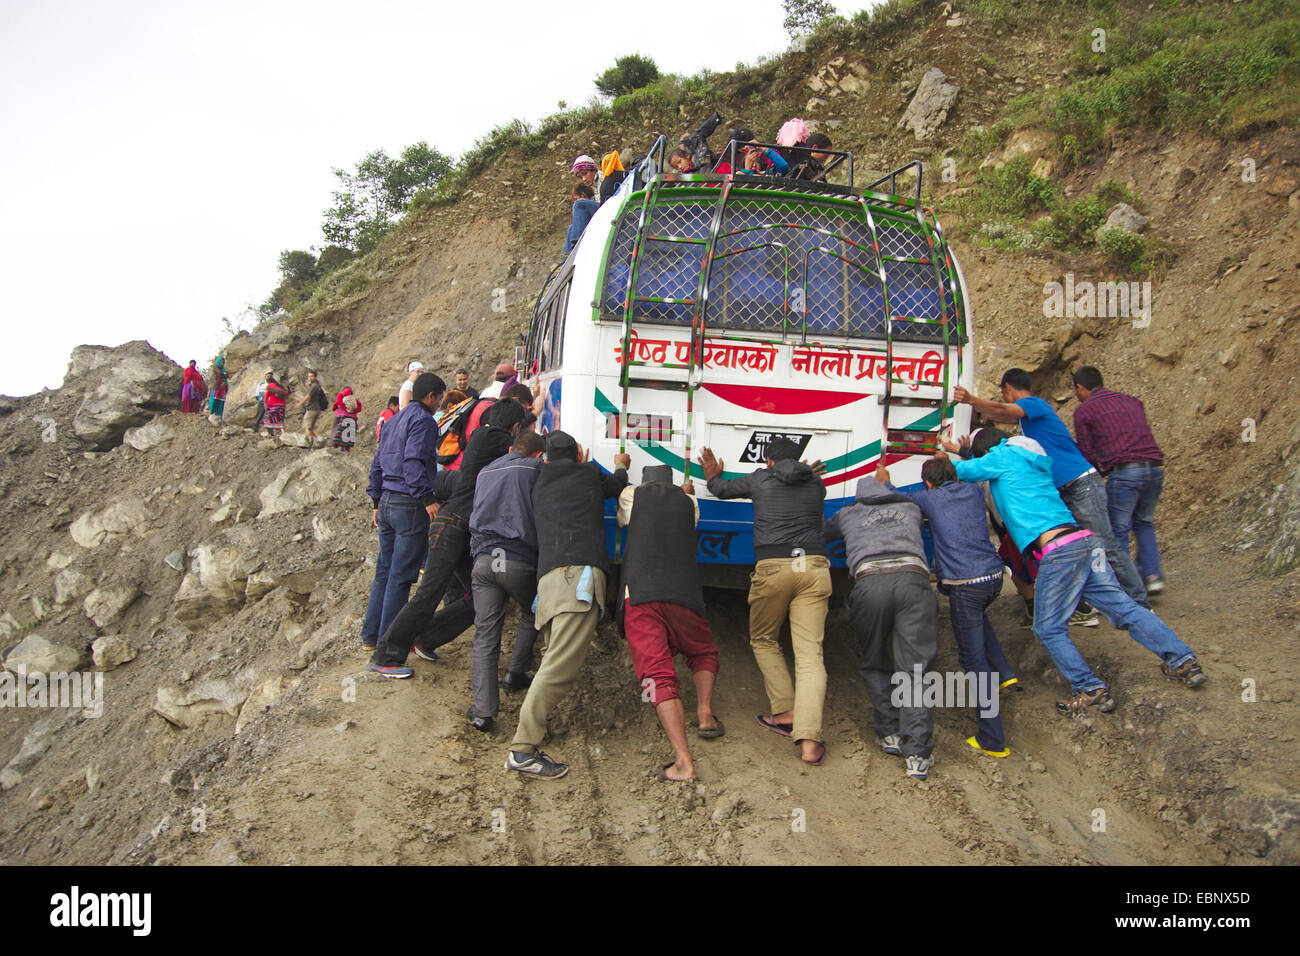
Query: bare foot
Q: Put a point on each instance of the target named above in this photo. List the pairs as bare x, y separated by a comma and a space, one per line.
676, 772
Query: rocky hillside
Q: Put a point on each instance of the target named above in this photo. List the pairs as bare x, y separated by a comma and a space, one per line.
217, 579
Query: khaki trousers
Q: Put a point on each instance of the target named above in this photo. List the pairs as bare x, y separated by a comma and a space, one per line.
799, 587
564, 640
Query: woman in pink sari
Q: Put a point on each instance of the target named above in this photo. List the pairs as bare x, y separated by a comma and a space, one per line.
192, 389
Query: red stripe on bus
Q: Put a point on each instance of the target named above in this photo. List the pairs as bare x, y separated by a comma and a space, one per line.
782, 401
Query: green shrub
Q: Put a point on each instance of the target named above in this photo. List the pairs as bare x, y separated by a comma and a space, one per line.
1012, 190
629, 73
1122, 251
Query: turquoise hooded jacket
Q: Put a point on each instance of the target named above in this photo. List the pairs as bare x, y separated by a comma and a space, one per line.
1019, 474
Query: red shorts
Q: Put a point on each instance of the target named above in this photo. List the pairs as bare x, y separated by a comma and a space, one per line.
1025, 570
655, 632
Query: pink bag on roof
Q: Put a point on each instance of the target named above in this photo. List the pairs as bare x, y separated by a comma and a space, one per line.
792, 133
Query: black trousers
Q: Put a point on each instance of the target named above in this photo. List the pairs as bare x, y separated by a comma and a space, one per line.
448, 552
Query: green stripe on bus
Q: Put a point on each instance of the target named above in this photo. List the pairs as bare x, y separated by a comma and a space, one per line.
841, 463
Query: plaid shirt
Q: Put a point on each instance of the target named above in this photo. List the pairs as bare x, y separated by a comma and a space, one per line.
1111, 429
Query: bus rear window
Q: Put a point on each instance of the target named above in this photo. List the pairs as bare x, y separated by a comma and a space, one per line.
780, 266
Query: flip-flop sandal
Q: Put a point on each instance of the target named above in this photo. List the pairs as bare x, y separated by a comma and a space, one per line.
712, 733
661, 775
765, 720
820, 760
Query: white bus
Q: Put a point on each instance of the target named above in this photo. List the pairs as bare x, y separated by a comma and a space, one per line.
728, 310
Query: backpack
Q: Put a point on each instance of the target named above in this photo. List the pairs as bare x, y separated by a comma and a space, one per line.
322, 402
455, 426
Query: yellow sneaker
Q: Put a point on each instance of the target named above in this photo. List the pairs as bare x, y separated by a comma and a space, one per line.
1013, 682
992, 753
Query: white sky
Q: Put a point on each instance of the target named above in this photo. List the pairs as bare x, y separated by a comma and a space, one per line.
156, 157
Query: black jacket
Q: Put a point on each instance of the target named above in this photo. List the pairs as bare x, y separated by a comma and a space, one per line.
788, 504
568, 501
659, 564
486, 445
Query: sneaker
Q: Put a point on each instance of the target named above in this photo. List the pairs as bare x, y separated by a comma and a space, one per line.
1099, 698
424, 655
397, 673
536, 765
974, 742
890, 745
1086, 618
918, 768
1027, 621
514, 682
481, 724
1011, 683
1155, 583
1189, 673
369, 648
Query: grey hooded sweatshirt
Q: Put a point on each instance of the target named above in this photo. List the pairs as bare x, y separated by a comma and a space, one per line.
879, 524
788, 500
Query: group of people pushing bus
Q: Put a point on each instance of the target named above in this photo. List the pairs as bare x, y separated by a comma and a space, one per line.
523, 519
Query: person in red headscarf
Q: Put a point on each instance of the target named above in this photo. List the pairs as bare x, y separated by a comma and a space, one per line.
346, 408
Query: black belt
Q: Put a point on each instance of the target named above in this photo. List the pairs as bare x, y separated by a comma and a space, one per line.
1137, 464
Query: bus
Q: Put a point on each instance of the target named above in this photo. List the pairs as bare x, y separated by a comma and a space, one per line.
727, 310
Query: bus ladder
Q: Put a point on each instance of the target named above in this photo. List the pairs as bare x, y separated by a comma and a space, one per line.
910, 441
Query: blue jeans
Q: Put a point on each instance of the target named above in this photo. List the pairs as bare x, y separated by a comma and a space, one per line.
1079, 569
1132, 493
403, 542
1086, 499
978, 650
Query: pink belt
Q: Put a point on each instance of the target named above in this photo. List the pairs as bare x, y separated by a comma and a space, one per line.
1058, 542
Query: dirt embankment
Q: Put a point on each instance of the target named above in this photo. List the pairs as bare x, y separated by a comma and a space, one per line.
245, 568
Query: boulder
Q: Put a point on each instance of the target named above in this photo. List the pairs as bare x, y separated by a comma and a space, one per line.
36, 655
215, 583
122, 387
105, 605
930, 105
111, 651
297, 439
70, 584
149, 435
120, 518
1124, 217
57, 560
184, 707
310, 481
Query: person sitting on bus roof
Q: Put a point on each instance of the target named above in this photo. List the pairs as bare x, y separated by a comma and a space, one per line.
612, 174
584, 207
697, 146
792, 577
755, 159
811, 162
584, 168
680, 160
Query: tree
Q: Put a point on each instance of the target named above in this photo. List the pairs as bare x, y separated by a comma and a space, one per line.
802, 16
376, 194
631, 72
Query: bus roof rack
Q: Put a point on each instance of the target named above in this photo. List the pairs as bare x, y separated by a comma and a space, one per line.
892, 178
840, 156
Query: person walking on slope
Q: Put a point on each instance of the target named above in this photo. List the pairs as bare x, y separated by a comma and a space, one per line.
276, 397
220, 385
314, 402
894, 613
192, 389
1071, 565
403, 481
346, 409
572, 566
791, 578
663, 608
